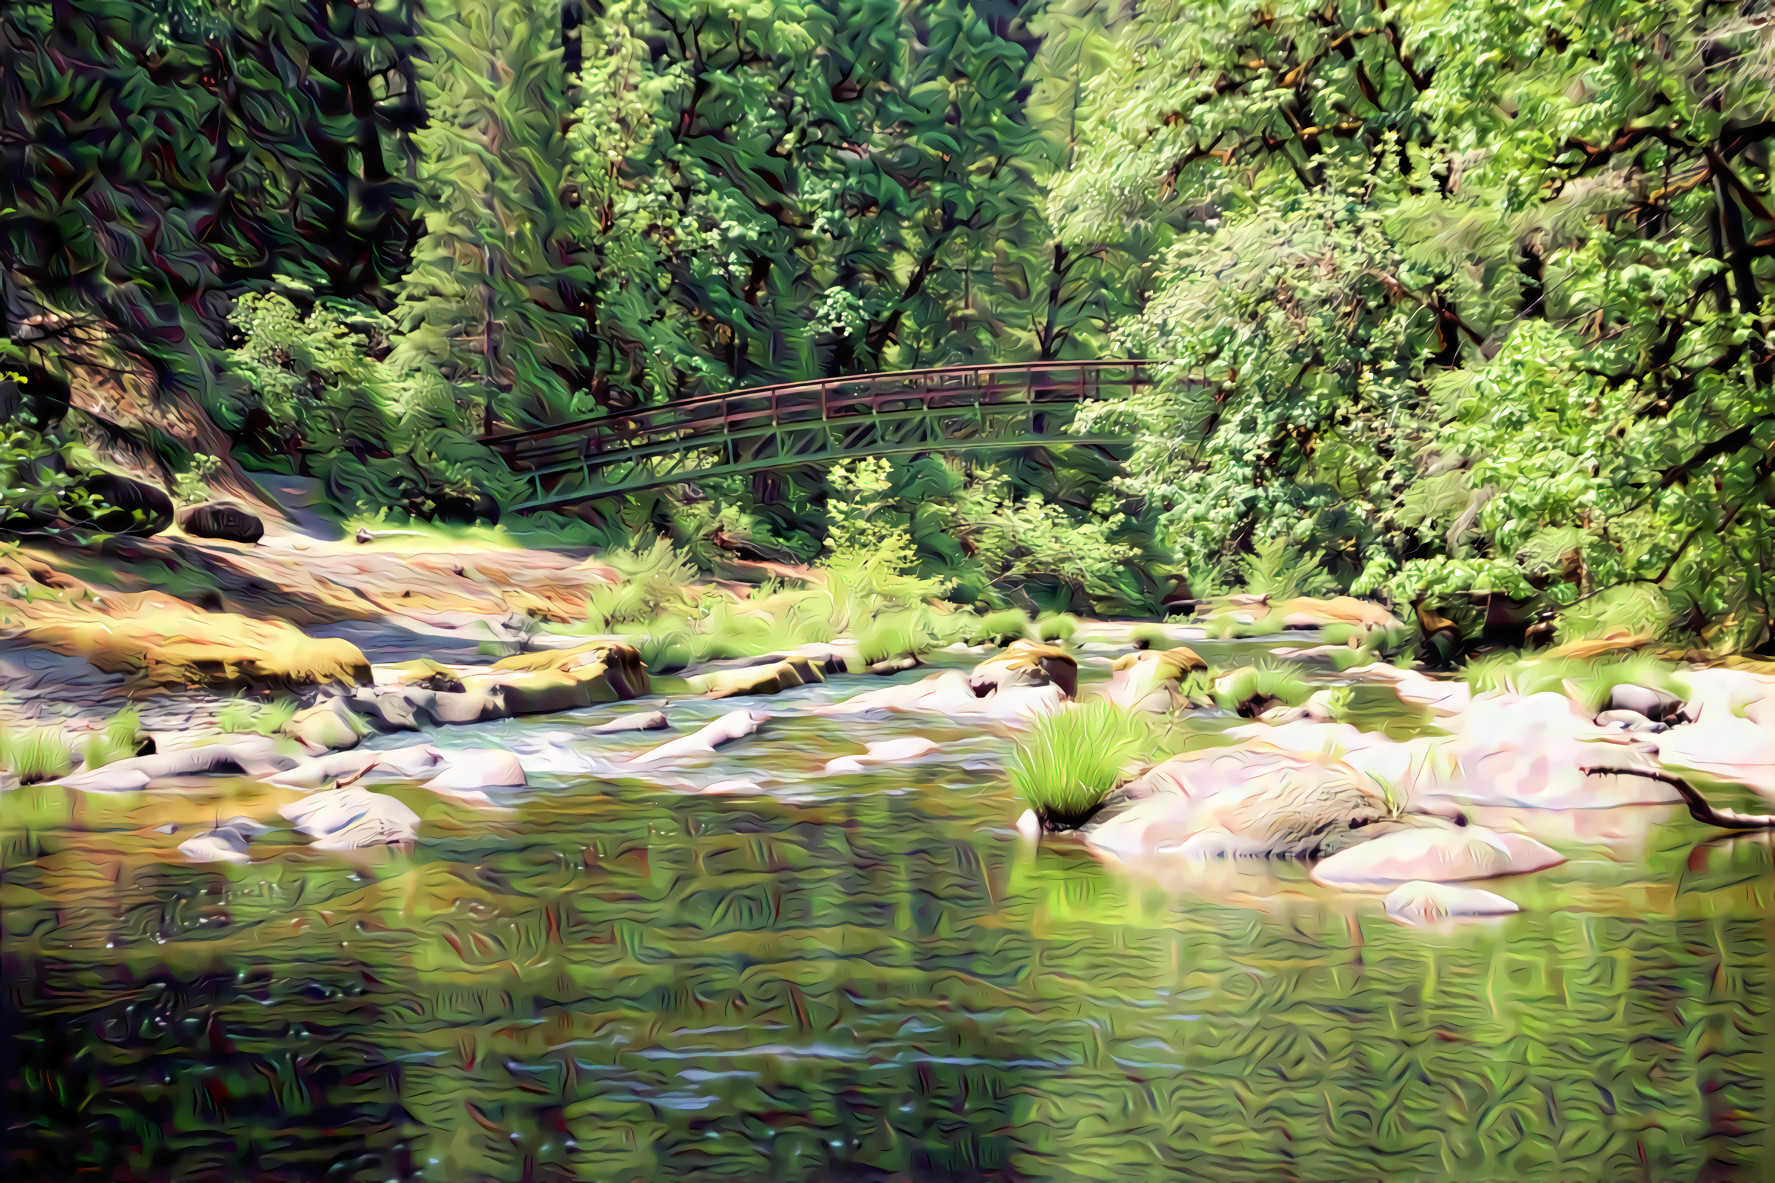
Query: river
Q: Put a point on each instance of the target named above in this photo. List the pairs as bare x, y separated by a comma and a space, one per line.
867, 976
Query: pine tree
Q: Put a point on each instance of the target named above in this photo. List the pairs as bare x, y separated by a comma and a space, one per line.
500, 264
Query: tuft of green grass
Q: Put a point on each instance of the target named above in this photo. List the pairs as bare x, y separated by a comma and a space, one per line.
1149, 636
118, 741
240, 716
1000, 628
1059, 627
36, 755
1253, 689
1070, 760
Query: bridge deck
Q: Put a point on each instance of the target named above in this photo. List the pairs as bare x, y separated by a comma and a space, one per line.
952, 408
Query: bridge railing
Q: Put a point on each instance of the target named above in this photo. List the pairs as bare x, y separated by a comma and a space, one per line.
793, 404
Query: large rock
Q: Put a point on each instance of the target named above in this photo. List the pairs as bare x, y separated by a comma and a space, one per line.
478, 768
528, 684
250, 756
1421, 902
328, 725
410, 762
349, 819
952, 693
1027, 663
1151, 679
227, 843
1308, 612
221, 519
1244, 801
1435, 854
1538, 752
773, 678
538, 683
130, 506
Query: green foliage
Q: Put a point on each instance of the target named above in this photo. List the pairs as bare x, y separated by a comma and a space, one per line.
1451, 290
38, 754
1070, 760
503, 258
1059, 627
310, 390
39, 488
239, 715
656, 582
192, 485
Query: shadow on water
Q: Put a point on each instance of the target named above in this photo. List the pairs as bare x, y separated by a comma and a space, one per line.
866, 977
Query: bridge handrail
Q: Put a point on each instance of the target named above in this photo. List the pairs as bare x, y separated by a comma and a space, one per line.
838, 397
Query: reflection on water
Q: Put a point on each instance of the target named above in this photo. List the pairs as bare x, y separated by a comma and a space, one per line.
865, 977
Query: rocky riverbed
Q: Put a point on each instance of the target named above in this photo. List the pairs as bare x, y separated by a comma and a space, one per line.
781, 949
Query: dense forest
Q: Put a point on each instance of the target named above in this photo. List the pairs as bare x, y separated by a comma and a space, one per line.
1457, 305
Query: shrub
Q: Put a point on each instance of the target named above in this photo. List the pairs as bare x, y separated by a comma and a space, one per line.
1072, 759
36, 755
1058, 627
1253, 689
891, 635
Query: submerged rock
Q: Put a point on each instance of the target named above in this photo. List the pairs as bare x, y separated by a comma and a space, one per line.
634, 721
353, 818
1423, 902
889, 751
226, 843
1434, 854
703, 741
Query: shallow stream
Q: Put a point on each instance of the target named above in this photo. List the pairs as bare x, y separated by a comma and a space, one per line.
867, 976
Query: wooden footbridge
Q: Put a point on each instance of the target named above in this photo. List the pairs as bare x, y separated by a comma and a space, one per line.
951, 409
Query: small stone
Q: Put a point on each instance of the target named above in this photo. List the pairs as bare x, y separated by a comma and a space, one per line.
1421, 902
364, 537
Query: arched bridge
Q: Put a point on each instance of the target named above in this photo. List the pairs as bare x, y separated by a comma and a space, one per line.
954, 408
